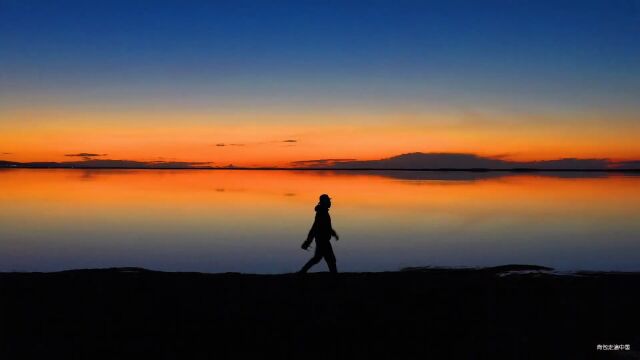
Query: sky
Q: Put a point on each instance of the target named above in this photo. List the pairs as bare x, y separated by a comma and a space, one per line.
268, 83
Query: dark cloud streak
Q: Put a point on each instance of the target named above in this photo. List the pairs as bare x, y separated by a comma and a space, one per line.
291, 142
84, 154
223, 144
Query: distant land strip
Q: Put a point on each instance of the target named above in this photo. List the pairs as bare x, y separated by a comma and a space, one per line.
404, 162
524, 170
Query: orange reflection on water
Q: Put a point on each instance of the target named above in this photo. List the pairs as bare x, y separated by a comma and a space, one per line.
353, 189
260, 197
195, 219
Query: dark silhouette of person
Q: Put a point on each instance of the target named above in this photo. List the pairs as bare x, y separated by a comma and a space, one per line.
322, 232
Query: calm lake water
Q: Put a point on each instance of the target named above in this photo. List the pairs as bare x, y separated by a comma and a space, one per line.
255, 221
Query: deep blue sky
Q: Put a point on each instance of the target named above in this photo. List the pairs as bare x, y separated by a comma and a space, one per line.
563, 55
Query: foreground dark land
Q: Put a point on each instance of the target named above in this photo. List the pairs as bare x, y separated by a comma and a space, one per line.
418, 314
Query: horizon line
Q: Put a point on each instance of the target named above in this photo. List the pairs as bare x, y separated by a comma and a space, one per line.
26, 166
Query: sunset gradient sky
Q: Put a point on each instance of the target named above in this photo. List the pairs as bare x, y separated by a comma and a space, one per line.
259, 83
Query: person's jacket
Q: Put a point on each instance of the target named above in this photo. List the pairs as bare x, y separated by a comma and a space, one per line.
321, 229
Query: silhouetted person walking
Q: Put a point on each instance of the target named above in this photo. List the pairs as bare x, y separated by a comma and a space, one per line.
322, 232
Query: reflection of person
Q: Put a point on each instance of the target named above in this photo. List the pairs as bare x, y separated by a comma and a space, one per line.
322, 232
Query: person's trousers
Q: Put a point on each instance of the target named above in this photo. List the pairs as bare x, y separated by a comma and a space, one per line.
323, 250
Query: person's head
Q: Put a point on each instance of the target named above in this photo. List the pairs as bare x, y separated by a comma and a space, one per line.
325, 200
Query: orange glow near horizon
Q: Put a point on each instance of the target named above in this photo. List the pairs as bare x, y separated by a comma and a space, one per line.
261, 140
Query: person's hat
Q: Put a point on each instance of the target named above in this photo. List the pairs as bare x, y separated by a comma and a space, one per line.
324, 197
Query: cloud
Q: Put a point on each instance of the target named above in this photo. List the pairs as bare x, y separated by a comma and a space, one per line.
290, 142
84, 154
7, 153
223, 144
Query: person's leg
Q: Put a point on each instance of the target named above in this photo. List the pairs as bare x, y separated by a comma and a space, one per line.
314, 260
330, 258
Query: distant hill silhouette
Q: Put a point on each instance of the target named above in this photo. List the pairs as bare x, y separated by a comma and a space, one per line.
419, 160
631, 165
4, 163
409, 161
100, 163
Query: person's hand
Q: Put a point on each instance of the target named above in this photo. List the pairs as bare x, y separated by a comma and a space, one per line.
337, 237
305, 244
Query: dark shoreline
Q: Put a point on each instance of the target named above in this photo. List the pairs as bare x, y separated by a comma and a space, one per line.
513, 170
513, 312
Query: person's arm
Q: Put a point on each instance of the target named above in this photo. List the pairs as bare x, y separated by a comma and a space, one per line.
311, 235
312, 231
333, 232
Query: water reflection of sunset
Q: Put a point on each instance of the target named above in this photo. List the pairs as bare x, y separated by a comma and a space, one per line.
188, 219
194, 187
